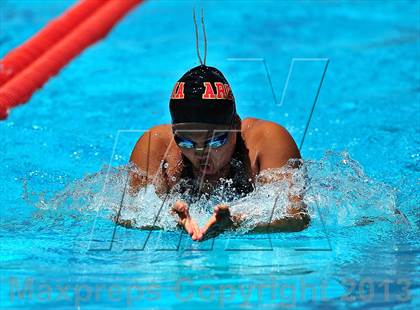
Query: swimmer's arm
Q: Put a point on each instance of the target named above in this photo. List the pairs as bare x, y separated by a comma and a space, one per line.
276, 155
146, 158
145, 168
222, 219
296, 220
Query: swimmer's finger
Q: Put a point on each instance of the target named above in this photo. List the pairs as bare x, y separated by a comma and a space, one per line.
221, 209
212, 232
180, 205
192, 228
209, 224
188, 227
180, 208
197, 235
220, 220
183, 222
222, 214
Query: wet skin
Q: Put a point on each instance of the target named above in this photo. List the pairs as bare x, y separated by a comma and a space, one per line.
269, 146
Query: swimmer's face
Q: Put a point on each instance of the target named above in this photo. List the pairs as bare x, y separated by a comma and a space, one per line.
208, 147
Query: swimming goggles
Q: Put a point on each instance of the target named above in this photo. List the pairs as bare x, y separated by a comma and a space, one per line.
213, 143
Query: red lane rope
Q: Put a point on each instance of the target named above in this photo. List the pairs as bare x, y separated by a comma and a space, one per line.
22, 56
94, 27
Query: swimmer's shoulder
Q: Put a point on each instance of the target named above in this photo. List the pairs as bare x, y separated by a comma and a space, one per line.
261, 130
152, 145
268, 139
249, 123
162, 133
159, 135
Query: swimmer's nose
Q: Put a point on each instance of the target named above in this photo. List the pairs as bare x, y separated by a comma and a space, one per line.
201, 151
202, 156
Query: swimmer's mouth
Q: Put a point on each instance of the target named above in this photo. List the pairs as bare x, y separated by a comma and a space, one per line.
205, 168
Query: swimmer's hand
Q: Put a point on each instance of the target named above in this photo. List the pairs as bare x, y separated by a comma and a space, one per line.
185, 220
219, 221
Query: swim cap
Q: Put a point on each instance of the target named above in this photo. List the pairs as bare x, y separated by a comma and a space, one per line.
202, 95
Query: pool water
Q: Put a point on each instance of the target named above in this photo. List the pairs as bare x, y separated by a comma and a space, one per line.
65, 152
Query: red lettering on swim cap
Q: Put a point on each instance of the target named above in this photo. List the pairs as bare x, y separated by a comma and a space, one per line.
173, 90
208, 93
178, 91
228, 92
221, 94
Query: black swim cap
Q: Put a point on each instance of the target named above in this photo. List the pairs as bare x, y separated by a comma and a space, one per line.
202, 95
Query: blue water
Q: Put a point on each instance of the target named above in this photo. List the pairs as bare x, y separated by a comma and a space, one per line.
361, 150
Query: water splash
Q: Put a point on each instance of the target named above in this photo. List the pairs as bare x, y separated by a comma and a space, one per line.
344, 194
334, 188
